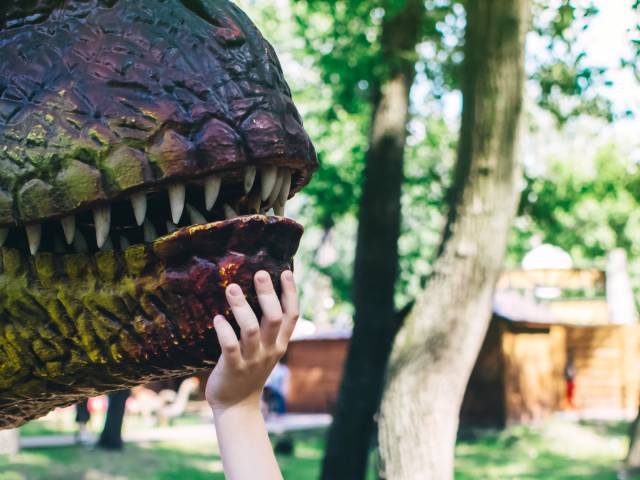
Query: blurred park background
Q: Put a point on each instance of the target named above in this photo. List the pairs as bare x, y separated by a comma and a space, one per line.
425, 141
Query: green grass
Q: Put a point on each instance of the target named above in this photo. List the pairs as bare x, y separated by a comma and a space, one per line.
556, 451
159, 461
64, 423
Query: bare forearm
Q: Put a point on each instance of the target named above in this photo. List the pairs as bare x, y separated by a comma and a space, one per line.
245, 456
235, 385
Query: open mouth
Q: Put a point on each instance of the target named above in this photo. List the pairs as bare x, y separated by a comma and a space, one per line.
124, 293
146, 215
119, 293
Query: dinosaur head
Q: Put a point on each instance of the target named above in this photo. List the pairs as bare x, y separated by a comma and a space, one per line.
147, 152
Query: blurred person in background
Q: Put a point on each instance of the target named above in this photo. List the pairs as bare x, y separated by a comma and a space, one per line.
276, 389
570, 379
82, 418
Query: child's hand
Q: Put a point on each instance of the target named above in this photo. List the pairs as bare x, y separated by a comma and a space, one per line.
240, 375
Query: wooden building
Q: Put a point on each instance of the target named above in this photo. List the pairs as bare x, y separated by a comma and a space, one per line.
541, 320
583, 324
316, 364
519, 376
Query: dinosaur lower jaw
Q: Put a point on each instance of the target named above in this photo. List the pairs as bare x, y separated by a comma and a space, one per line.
77, 325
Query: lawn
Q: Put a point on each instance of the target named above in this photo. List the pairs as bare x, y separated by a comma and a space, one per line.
560, 450
158, 461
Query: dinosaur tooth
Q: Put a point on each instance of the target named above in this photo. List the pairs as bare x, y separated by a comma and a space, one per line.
102, 222
278, 209
249, 178
276, 189
69, 228
229, 212
211, 191
80, 243
150, 232
268, 178
34, 235
139, 205
286, 187
177, 195
4, 233
196, 217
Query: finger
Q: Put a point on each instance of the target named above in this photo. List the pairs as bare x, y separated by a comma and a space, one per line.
228, 342
290, 305
246, 318
271, 309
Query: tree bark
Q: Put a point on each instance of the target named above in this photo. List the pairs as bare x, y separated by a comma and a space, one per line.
434, 352
622, 310
632, 462
376, 263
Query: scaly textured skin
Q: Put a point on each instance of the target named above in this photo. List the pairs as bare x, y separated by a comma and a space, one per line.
124, 318
101, 98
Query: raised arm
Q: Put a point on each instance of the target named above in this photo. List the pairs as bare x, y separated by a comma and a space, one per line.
236, 383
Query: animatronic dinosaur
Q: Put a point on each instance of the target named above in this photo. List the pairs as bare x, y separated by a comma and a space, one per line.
142, 142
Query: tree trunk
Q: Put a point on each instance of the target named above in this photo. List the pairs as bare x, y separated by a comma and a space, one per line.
622, 310
434, 352
376, 262
632, 462
111, 436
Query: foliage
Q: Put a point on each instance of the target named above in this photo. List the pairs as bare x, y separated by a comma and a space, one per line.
431, 155
334, 63
587, 206
333, 58
338, 129
633, 62
561, 76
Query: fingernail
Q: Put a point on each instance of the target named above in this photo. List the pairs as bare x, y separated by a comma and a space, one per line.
262, 276
234, 290
287, 275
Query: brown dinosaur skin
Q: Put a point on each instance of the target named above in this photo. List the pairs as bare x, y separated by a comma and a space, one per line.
103, 98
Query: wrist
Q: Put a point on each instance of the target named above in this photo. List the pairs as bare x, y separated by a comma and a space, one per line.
249, 405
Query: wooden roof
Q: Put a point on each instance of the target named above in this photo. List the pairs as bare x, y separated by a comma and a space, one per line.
597, 297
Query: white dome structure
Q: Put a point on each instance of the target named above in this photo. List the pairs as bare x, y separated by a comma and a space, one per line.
547, 256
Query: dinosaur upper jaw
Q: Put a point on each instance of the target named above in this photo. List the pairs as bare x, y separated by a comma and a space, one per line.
157, 209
